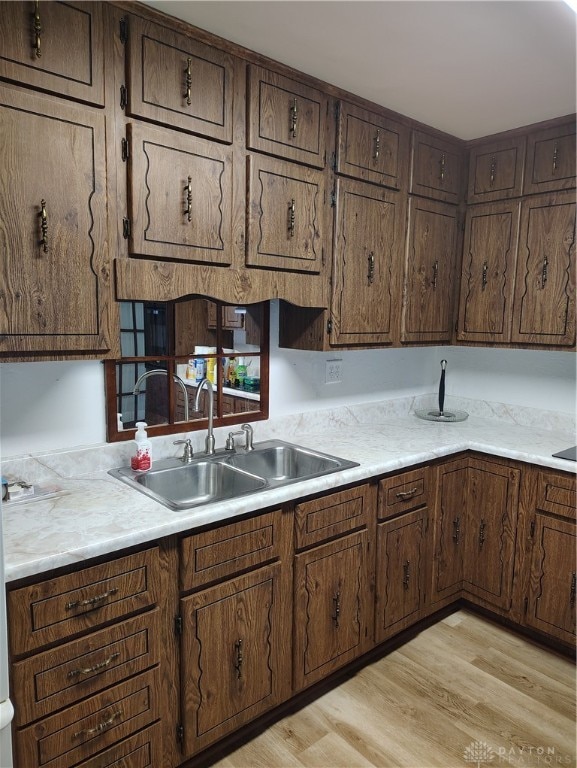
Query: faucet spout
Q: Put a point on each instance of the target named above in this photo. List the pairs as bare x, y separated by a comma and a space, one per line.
162, 372
209, 440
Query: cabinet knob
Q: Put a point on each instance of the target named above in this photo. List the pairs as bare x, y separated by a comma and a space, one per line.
544, 272
291, 218
456, 529
188, 190
573, 587
555, 157
493, 172
406, 574
435, 274
36, 30
188, 73
238, 658
44, 226
377, 145
371, 268
293, 117
337, 609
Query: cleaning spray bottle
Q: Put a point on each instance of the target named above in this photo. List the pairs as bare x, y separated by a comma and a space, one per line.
142, 458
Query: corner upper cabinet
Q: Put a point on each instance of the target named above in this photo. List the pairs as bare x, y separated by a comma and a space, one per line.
286, 215
55, 47
550, 164
436, 167
371, 147
496, 170
286, 118
55, 268
177, 81
180, 196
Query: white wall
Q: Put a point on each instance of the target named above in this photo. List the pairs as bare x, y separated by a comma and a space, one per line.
50, 406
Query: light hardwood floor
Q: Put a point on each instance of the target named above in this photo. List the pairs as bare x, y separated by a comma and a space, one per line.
464, 692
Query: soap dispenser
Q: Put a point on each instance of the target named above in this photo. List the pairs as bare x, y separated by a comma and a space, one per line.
142, 458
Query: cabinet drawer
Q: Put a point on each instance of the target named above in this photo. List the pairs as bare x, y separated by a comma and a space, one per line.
436, 168
78, 732
550, 164
58, 608
217, 554
556, 494
286, 118
144, 750
59, 677
403, 492
496, 170
330, 516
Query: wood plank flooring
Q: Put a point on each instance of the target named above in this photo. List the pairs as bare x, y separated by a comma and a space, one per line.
464, 692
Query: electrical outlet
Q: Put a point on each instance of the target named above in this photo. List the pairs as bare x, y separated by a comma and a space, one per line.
333, 371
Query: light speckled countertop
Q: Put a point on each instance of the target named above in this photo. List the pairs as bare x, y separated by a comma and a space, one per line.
96, 514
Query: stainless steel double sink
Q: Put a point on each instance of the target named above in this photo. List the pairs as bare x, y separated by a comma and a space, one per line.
228, 475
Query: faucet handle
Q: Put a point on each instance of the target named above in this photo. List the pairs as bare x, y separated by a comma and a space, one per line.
188, 453
248, 432
229, 445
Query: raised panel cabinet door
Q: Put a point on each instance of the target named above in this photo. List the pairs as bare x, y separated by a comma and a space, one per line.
429, 296
496, 170
286, 118
551, 598
55, 270
330, 607
286, 216
544, 310
401, 575
493, 493
550, 162
234, 662
488, 272
371, 147
369, 238
180, 197
436, 168
450, 522
55, 47
178, 81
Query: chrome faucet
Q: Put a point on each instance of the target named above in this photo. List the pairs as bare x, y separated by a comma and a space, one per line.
158, 372
209, 441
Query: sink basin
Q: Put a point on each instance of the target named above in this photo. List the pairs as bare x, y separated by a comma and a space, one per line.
283, 462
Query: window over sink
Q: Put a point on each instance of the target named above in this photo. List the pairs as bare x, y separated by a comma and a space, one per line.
167, 348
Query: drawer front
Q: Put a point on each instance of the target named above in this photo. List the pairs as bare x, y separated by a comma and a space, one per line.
217, 554
402, 493
496, 171
78, 732
141, 751
556, 494
436, 168
51, 680
59, 608
286, 118
330, 516
550, 160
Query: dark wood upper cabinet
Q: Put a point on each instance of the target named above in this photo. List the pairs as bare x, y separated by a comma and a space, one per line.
496, 170
371, 147
286, 118
55, 47
178, 81
436, 167
551, 159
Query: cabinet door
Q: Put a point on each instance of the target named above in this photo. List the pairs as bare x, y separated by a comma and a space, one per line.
286, 118
401, 575
544, 311
493, 492
180, 197
450, 521
487, 282
430, 272
436, 168
55, 269
496, 170
551, 598
371, 147
178, 81
369, 232
330, 607
286, 216
55, 47
234, 655
551, 159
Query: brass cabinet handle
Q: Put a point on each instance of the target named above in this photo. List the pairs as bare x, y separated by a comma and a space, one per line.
293, 117
377, 142
188, 72
456, 529
555, 157
482, 528
92, 602
239, 658
493, 172
407, 494
573, 588
371, 268
96, 668
435, 274
44, 226
188, 190
442, 164
544, 272
406, 574
484, 277
100, 727
291, 218
337, 611
36, 30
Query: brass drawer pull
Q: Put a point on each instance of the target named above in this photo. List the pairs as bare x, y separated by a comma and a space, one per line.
456, 529
100, 727
555, 157
96, 668
292, 218
442, 172
484, 276
188, 189
435, 274
573, 587
482, 528
36, 30
371, 268
337, 613
44, 226
377, 142
544, 272
493, 170
407, 494
188, 72
239, 658
406, 574
293, 117
92, 602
